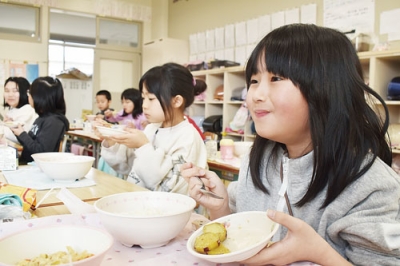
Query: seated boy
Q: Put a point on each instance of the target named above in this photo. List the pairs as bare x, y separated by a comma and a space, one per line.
103, 101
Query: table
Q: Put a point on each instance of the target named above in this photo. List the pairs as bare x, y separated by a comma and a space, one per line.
105, 185
172, 254
89, 138
224, 171
52, 212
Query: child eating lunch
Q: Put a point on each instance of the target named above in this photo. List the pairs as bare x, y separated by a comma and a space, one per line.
47, 98
150, 158
317, 134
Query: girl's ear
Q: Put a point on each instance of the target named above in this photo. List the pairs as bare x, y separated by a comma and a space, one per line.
177, 101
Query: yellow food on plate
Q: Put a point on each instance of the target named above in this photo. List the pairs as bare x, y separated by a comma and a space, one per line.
210, 241
221, 249
206, 242
216, 228
57, 258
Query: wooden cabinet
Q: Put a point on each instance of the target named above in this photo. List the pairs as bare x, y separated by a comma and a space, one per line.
233, 79
379, 69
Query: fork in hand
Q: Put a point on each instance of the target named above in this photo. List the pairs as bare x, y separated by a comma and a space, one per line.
203, 187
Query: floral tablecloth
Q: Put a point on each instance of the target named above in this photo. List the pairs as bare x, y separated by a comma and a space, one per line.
173, 254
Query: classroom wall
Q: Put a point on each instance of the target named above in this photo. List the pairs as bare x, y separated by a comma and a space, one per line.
187, 17
37, 52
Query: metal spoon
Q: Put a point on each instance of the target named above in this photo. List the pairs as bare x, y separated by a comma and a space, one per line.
203, 187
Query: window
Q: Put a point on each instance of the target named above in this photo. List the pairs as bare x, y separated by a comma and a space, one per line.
70, 47
63, 56
72, 27
119, 33
19, 22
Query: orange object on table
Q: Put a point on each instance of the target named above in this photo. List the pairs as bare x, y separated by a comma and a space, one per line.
27, 195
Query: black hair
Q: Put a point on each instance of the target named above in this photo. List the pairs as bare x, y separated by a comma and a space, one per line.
48, 96
344, 128
170, 80
23, 87
136, 97
106, 93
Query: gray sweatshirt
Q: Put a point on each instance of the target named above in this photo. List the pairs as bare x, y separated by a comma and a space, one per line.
362, 223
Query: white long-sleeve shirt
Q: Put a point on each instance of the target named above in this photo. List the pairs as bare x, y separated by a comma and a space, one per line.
155, 165
25, 115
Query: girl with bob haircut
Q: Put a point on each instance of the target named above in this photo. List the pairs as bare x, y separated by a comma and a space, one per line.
150, 157
47, 98
17, 106
316, 133
132, 112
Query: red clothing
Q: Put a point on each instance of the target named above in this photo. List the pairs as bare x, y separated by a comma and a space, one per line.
191, 121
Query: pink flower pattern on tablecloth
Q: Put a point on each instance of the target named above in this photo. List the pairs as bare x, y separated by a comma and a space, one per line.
173, 254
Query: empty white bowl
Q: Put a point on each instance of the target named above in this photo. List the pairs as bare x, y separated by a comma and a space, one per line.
145, 218
248, 233
241, 148
45, 156
63, 167
29, 244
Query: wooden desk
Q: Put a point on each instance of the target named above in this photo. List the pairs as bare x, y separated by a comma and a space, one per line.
224, 171
88, 138
105, 185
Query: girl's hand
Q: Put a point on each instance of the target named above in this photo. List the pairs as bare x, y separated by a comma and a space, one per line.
17, 130
144, 123
134, 139
7, 119
130, 124
216, 207
301, 243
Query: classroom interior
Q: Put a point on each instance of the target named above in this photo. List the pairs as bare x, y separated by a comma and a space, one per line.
179, 30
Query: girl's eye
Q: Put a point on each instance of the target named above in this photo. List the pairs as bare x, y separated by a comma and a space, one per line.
253, 81
276, 78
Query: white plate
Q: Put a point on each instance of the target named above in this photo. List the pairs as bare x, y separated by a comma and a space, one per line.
113, 131
248, 233
12, 124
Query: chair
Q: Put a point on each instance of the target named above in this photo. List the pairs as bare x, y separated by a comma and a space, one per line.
63, 143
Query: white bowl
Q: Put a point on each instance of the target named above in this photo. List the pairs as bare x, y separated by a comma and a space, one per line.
111, 131
33, 242
248, 233
241, 148
145, 218
65, 168
45, 156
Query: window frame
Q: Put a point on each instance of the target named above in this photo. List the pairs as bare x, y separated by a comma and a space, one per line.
18, 37
99, 45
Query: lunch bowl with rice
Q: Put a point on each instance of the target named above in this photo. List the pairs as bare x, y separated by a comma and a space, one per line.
145, 218
63, 244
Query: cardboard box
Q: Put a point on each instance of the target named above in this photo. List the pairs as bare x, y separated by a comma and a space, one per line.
73, 73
